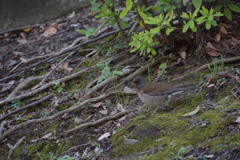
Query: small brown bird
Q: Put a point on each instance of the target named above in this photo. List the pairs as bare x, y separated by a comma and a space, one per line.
155, 94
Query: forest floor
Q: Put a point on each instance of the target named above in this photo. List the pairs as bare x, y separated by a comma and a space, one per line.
50, 111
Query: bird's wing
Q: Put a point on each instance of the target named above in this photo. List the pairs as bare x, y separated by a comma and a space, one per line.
155, 88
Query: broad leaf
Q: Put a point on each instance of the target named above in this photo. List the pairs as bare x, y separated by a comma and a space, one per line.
123, 13
233, 7
143, 15
227, 13
197, 3
218, 8
129, 4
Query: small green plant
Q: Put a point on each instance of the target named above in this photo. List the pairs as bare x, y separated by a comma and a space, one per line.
95, 144
88, 32
227, 8
143, 42
44, 113
207, 18
67, 157
107, 73
59, 86
86, 157
166, 5
161, 67
178, 155
15, 104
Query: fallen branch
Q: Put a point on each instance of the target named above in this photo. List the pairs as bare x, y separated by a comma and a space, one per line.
232, 59
99, 121
27, 106
225, 60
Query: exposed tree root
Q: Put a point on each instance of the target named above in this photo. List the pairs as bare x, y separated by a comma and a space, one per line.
15, 146
48, 85
77, 106
225, 60
24, 84
27, 106
99, 121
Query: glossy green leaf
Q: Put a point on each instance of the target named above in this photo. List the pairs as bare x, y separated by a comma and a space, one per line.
210, 17
129, 4
218, 8
197, 3
163, 65
185, 15
194, 29
200, 20
123, 13
143, 15
185, 2
228, 14
233, 7
214, 23
185, 28
117, 73
208, 24
95, 7
191, 23
92, 2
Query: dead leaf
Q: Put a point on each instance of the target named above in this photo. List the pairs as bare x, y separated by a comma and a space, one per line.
46, 136
49, 31
105, 135
210, 51
213, 53
209, 156
237, 120
64, 66
104, 112
127, 89
22, 41
27, 29
193, 112
121, 119
155, 70
223, 30
235, 40
120, 107
18, 53
183, 54
23, 60
218, 37
23, 35
96, 105
141, 24
210, 85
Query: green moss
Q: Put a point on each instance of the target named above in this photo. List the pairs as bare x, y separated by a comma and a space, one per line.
64, 106
87, 62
